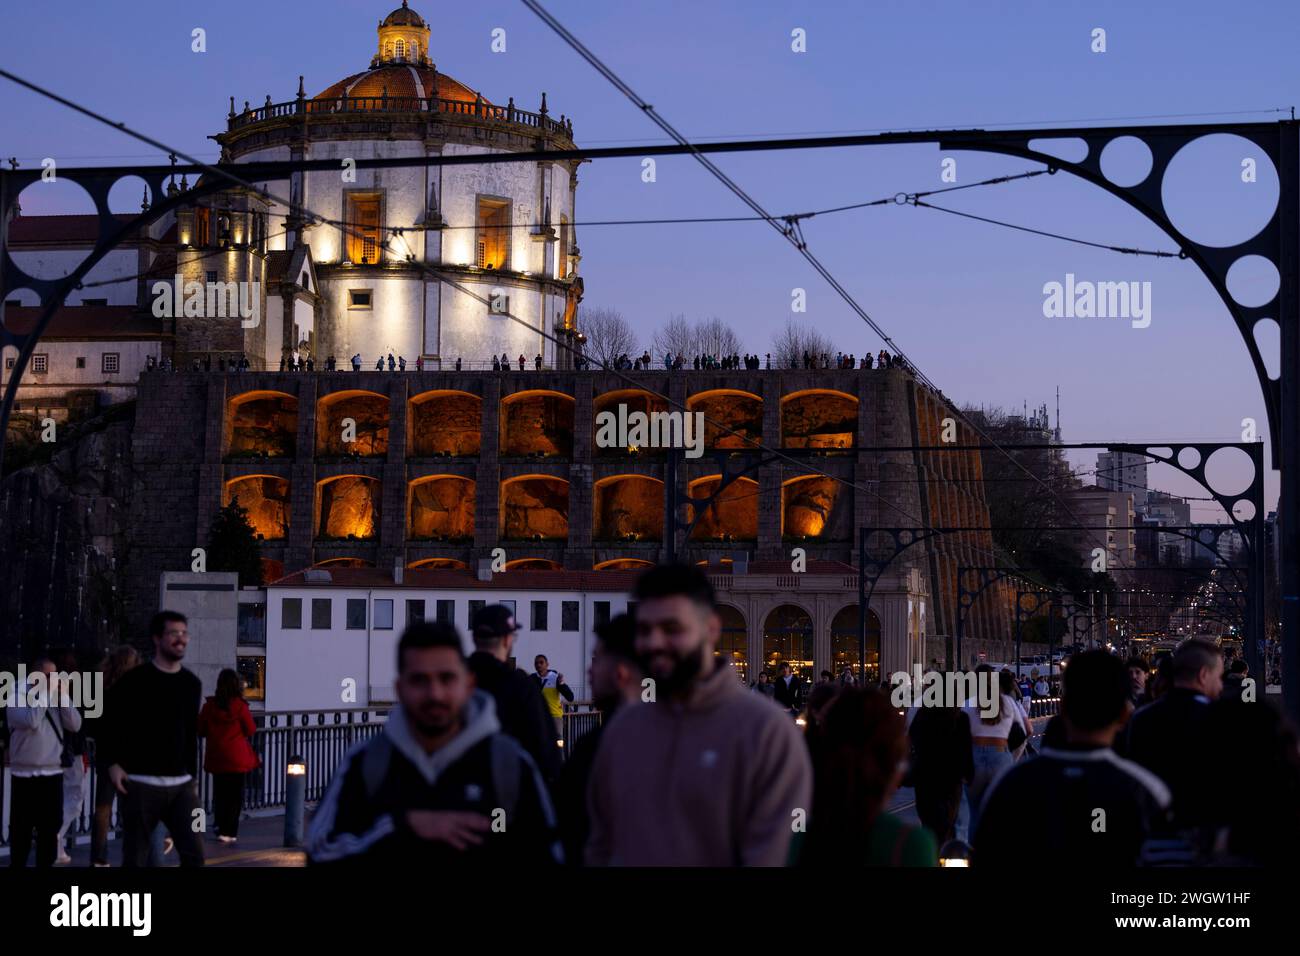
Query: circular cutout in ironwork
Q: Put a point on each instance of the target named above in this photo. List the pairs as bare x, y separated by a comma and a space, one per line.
1189, 458
1243, 509
1268, 339
1126, 161
904, 537
31, 233
1253, 281
1220, 190
1229, 471
1162, 452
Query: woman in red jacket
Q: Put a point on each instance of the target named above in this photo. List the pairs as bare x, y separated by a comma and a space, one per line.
227, 723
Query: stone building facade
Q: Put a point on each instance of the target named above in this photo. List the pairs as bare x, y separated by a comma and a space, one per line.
467, 470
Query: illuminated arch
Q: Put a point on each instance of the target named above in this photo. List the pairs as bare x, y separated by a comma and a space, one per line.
440, 507
623, 564
348, 506
819, 418
844, 642
533, 564
788, 639
266, 499
368, 410
534, 507
628, 508
537, 423
445, 422
262, 424
809, 509
438, 564
344, 563
740, 412
733, 643
636, 400
733, 515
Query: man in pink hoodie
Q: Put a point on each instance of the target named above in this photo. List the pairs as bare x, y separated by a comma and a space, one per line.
702, 773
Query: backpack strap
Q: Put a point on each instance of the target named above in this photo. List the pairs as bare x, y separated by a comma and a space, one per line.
506, 766
374, 763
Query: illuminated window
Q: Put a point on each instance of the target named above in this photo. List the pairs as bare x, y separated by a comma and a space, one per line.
493, 239
112, 363
202, 226
399, 48
40, 363
363, 228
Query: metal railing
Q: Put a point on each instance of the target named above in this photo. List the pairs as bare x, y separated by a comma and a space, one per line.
400, 104
321, 738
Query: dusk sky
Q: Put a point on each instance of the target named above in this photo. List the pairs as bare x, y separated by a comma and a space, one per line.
963, 299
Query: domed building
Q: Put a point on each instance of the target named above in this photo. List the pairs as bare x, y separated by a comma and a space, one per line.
439, 262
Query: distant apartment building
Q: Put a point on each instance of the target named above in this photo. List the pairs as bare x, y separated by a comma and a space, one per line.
1109, 518
1123, 471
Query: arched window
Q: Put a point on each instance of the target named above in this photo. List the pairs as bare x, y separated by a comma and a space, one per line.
400, 49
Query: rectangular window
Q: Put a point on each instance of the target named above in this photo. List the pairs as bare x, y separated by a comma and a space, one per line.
360, 299
112, 363
41, 363
81, 361
568, 615
446, 612
252, 625
9, 362
539, 616
602, 613
363, 228
253, 672
291, 614
492, 244
356, 610
320, 614
474, 608
414, 612
383, 614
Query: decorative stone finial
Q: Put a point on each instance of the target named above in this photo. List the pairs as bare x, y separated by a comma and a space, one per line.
543, 109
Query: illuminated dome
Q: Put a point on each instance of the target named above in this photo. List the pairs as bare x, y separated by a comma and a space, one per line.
400, 80
403, 16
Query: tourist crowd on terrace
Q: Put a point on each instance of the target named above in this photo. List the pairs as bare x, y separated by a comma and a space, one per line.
298, 361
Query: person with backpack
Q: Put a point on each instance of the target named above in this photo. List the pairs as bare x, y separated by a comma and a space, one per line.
441, 785
37, 759
227, 723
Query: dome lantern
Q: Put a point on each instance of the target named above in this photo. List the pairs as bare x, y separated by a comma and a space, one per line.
403, 38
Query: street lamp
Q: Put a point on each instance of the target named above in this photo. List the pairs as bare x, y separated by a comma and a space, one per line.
295, 799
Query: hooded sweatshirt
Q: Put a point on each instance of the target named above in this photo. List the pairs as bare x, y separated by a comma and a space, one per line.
355, 824
717, 779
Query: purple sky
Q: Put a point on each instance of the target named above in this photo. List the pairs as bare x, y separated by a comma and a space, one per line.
962, 298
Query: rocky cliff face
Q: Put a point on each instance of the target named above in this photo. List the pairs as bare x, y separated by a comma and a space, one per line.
63, 542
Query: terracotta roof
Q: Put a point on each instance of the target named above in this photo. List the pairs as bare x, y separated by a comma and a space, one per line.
445, 579
91, 322
79, 228
400, 80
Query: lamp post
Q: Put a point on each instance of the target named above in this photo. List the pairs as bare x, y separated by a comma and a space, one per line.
295, 799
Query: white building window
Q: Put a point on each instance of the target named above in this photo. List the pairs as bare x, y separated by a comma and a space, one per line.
360, 299
112, 363
40, 363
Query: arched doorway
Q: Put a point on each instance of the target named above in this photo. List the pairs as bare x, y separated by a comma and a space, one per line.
788, 639
844, 643
733, 645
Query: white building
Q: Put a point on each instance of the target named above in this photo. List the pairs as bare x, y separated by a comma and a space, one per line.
1123, 471
333, 632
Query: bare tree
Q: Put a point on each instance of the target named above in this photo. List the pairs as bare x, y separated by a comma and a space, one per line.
790, 344
609, 335
715, 337
677, 336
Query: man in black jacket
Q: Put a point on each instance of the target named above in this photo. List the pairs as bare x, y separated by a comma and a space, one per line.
1077, 804
150, 746
520, 707
1171, 737
441, 786
789, 689
616, 677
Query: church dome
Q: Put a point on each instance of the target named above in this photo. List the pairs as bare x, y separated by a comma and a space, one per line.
400, 80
